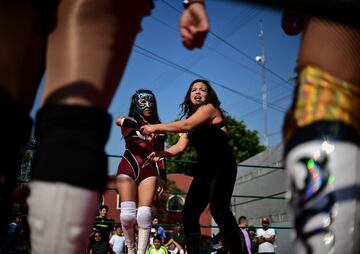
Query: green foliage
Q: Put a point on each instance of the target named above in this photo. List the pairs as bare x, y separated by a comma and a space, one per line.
175, 165
244, 143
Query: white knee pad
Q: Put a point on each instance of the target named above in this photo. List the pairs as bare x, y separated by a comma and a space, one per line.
128, 214
144, 217
60, 217
128, 221
324, 180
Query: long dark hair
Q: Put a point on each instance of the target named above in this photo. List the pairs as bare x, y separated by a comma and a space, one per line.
187, 108
134, 113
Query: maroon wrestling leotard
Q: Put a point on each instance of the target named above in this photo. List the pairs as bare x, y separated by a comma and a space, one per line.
134, 163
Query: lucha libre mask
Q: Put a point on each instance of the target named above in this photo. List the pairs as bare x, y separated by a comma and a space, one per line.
144, 100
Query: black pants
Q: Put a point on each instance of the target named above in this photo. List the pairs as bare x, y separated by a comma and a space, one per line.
212, 184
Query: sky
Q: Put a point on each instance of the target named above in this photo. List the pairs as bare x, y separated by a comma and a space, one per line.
160, 63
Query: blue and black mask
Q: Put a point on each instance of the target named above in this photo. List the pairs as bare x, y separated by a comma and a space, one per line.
144, 100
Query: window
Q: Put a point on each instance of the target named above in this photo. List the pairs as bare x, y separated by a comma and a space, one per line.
175, 203
118, 201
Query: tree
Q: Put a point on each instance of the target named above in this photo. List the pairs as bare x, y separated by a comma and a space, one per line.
244, 143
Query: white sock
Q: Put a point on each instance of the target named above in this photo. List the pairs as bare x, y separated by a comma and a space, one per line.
60, 217
144, 217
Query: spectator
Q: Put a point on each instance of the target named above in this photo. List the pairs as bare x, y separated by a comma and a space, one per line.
179, 235
266, 237
103, 224
158, 247
97, 245
12, 233
159, 229
174, 247
244, 235
117, 241
153, 233
252, 235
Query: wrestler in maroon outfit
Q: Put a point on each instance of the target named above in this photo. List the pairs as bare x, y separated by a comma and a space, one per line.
134, 162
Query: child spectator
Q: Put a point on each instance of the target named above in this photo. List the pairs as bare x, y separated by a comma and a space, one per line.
117, 241
158, 248
160, 230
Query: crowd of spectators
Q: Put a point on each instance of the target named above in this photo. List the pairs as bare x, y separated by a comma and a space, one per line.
107, 238
260, 240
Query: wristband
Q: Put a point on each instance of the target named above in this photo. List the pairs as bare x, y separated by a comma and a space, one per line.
187, 3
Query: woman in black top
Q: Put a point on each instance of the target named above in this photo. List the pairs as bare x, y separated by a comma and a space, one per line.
213, 183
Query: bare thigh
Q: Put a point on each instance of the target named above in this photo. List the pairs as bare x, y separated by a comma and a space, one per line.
146, 191
89, 48
127, 188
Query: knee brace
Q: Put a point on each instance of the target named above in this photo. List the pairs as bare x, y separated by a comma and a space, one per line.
71, 146
322, 162
128, 221
15, 128
128, 214
144, 217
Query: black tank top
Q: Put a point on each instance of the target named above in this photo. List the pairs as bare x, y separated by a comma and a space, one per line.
211, 143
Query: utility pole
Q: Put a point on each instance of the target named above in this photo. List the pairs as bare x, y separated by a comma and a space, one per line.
261, 60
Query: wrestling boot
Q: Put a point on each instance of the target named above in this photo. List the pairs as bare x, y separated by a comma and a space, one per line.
324, 183
69, 172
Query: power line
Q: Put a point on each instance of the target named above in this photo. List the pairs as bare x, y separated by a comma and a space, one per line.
240, 20
251, 59
275, 101
251, 15
238, 50
161, 59
246, 67
213, 49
